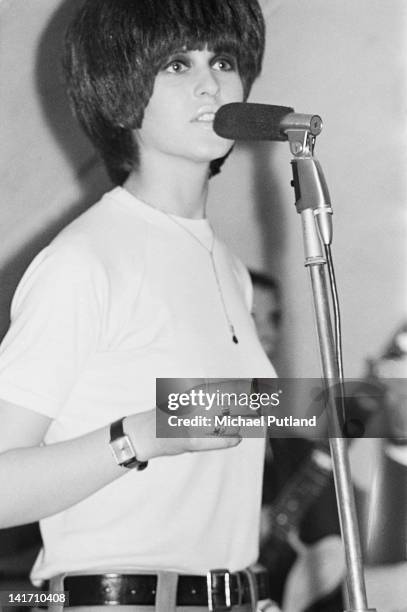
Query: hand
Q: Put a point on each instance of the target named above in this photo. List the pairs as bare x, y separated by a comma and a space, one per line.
142, 431
184, 407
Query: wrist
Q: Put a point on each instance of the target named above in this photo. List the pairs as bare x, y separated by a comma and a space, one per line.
141, 430
122, 447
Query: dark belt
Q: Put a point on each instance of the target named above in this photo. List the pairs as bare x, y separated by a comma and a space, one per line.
219, 590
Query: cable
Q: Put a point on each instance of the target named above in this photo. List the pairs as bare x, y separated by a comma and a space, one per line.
337, 327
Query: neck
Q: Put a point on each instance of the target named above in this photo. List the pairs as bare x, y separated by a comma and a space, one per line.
179, 188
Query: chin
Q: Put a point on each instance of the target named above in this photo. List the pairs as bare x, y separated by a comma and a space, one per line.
209, 153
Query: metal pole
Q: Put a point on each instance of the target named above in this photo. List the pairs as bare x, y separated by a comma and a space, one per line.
312, 201
341, 468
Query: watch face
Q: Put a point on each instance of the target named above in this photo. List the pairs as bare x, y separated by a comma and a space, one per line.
122, 449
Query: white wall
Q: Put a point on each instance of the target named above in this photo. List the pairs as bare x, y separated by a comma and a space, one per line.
48, 171
346, 61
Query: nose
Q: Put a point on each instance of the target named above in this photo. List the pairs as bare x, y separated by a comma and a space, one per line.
206, 83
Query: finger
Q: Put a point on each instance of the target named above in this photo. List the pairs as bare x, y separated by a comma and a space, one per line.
215, 443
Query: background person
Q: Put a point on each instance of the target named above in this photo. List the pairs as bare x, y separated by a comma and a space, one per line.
306, 571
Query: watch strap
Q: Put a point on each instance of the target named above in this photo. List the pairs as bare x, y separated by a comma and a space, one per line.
116, 430
116, 433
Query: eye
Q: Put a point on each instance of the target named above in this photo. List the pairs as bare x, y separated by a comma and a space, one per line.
176, 66
224, 63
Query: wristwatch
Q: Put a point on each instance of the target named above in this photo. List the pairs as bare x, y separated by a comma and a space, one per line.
122, 448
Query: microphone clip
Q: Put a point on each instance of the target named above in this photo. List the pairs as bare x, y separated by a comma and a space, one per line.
302, 142
311, 189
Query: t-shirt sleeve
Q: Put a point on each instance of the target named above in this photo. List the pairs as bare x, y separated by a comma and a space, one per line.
56, 318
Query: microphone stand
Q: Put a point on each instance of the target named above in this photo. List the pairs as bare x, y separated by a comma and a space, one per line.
313, 204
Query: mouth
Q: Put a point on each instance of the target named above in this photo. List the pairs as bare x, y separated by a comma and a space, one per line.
206, 118
205, 115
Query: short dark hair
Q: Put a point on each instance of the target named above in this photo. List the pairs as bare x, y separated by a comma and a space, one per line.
115, 48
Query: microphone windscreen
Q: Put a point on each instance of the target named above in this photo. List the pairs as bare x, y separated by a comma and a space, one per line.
248, 121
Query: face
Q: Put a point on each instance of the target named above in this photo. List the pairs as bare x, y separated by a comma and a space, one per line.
267, 318
188, 90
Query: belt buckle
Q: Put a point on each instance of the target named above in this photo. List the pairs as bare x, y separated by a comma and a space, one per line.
212, 578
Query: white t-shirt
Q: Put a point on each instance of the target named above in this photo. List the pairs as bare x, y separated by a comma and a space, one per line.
124, 295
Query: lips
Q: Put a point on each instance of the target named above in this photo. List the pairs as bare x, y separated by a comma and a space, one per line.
205, 115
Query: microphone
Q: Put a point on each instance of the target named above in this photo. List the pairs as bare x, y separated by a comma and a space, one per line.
247, 121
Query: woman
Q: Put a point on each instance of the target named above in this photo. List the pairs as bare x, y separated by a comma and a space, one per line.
138, 288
